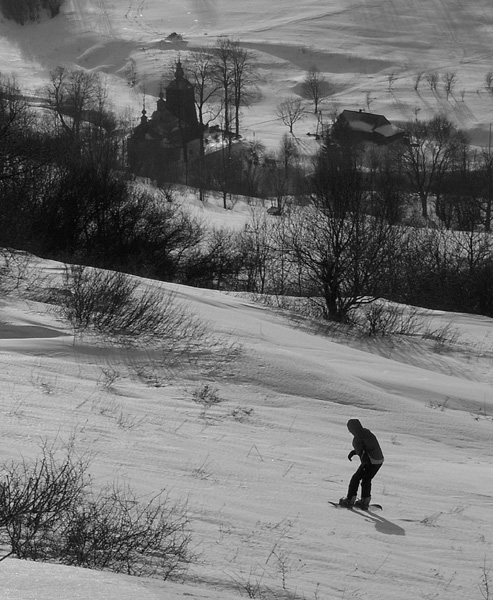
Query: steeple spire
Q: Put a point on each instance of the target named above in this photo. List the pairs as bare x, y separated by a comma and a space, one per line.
179, 72
161, 104
143, 118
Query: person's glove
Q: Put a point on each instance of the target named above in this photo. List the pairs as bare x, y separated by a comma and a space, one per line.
351, 454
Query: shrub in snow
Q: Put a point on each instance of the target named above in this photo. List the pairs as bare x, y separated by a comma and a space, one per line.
113, 304
49, 512
116, 306
35, 498
115, 531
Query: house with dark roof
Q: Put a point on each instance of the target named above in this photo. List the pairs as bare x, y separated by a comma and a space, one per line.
162, 145
359, 126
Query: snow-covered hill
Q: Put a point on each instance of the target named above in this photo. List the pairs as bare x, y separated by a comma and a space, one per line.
358, 45
258, 469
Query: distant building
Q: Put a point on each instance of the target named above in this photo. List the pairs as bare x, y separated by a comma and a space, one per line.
162, 146
360, 126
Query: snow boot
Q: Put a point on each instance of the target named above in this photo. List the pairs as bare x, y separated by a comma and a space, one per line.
347, 502
363, 504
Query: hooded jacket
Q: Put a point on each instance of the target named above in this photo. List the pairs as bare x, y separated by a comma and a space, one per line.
365, 443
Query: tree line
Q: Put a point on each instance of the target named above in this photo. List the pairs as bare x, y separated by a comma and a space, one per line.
436, 165
346, 231
23, 11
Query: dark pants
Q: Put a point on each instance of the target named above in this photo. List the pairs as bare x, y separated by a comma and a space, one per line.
365, 473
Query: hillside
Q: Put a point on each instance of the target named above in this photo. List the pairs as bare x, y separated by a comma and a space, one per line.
357, 45
258, 468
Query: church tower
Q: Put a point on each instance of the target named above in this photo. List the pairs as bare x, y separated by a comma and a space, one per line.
161, 146
180, 98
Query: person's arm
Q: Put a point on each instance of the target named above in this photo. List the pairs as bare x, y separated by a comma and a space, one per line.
358, 445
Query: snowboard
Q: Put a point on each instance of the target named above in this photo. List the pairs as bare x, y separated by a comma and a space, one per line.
372, 506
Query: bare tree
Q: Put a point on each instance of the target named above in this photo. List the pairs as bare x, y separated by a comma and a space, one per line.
252, 172
368, 100
391, 79
16, 120
432, 79
343, 257
200, 72
245, 80
434, 147
71, 94
235, 73
131, 74
385, 182
223, 74
282, 174
288, 152
343, 252
290, 111
224, 168
258, 245
315, 87
449, 79
24, 160
486, 173
417, 79
488, 80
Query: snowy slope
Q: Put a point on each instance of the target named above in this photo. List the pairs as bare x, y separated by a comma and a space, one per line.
258, 470
356, 44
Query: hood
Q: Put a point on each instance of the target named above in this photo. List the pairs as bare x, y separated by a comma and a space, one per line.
354, 426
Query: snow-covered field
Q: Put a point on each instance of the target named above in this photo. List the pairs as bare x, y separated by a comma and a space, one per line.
356, 44
258, 471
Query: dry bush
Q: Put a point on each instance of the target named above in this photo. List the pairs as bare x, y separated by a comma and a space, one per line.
166, 332
49, 512
382, 319
207, 396
35, 498
14, 266
115, 531
443, 338
113, 304
485, 586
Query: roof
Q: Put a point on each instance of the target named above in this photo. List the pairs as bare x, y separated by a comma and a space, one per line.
388, 130
179, 82
369, 125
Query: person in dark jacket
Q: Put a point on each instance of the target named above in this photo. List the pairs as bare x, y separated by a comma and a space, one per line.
366, 446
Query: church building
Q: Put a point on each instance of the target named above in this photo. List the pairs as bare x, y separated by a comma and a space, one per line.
161, 147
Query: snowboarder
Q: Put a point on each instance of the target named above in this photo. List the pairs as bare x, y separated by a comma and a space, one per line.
366, 446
